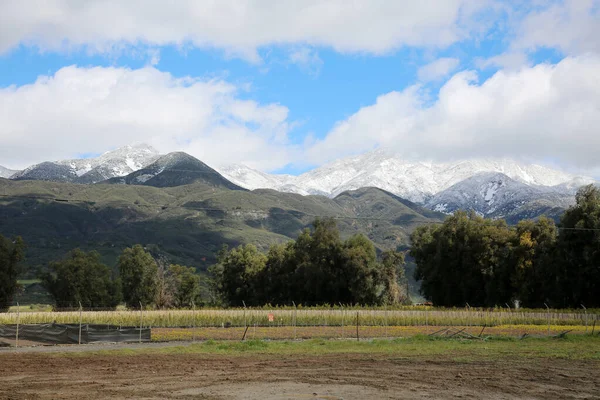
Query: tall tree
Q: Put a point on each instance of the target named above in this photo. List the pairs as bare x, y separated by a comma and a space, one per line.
578, 270
11, 253
80, 278
534, 260
236, 273
317, 268
392, 273
138, 271
185, 284
464, 260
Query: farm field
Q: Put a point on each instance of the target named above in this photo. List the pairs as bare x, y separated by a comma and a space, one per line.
308, 317
350, 332
408, 368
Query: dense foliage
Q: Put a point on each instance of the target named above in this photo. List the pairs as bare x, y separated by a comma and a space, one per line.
480, 262
81, 279
11, 253
138, 272
317, 268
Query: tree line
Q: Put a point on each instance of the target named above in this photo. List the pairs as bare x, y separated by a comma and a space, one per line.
80, 278
483, 262
316, 268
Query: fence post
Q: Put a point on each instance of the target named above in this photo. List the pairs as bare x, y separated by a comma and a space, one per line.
18, 320
343, 315
586, 324
141, 320
294, 321
193, 322
548, 317
245, 323
468, 314
386, 320
80, 321
427, 319
357, 337
509, 314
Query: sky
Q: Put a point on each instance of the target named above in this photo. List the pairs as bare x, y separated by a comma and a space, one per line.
286, 86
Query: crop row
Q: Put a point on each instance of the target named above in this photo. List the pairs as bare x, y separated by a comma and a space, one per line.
303, 317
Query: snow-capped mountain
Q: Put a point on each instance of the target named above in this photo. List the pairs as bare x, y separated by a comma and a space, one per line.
493, 194
111, 164
492, 187
6, 173
254, 179
119, 162
47, 171
175, 169
415, 181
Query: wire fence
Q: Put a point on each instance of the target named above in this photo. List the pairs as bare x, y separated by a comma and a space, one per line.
306, 323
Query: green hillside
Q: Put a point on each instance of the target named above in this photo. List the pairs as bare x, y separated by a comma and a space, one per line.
189, 223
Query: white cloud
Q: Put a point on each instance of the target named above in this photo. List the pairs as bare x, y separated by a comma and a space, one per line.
306, 59
437, 69
571, 26
240, 27
536, 113
509, 61
90, 110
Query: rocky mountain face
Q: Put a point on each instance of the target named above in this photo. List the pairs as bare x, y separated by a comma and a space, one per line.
114, 163
495, 195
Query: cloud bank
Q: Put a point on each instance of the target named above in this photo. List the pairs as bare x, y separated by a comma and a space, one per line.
240, 27
546, 112
88, 110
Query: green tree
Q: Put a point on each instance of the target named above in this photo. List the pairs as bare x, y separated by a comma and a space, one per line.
80, 278
185, 284
236, 272
392, 273
464, 260
317, 268
11, 253
534, 258
577, 274
138, 271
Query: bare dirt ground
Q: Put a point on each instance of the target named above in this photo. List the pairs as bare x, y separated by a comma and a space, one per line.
36, 375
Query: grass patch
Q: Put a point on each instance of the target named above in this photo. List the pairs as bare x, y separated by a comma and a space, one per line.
418, 348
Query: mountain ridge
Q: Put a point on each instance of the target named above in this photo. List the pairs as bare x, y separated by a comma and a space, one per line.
415, 181
540, 189
118, 162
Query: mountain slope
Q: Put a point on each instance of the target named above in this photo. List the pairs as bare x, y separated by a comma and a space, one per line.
415, 181
175, 169
6, 173
495, 195
119, 162
188, 223
114, 163
47, 171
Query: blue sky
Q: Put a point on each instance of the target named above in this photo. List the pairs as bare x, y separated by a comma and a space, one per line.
285, 87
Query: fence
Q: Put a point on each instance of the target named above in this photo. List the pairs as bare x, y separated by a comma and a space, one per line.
302, 323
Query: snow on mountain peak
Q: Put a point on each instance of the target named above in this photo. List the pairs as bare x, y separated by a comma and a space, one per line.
6, 173
414, 180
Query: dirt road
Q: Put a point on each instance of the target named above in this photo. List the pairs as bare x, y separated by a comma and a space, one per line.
260, 376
